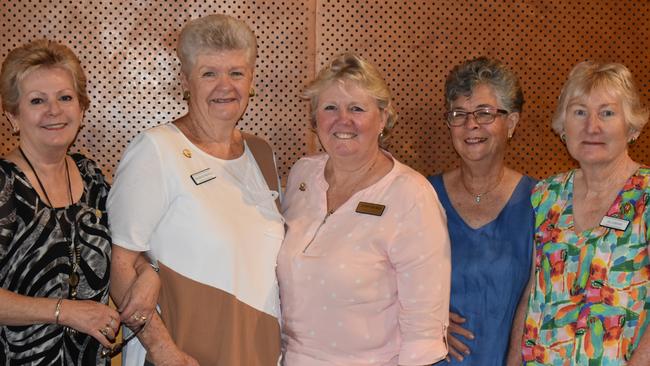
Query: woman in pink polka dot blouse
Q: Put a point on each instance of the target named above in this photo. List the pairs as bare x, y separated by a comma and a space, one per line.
364, 270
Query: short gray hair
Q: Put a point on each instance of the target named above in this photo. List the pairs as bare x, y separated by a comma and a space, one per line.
216, 32
351, 67
485, 71
613, 77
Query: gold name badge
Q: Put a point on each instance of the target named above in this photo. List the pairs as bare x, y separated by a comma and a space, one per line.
370, 208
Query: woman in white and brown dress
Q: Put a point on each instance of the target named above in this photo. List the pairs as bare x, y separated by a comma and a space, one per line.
198, 196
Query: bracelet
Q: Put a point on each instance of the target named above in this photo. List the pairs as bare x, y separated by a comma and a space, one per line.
57, 311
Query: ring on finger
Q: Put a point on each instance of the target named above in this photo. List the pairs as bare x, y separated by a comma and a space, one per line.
111, 323
104, 331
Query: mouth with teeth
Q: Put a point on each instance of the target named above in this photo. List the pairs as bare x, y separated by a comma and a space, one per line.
475, 140
222, 100
54, 126
345, 135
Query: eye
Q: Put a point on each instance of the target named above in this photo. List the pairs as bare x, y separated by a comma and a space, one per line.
606, 113
579, 112
66, 98
356, 108
329, 107
208, 74
36, 101
237, 74
483, 113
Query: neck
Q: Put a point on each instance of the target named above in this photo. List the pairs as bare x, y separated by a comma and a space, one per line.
479, 177
224, 142
204, 132
601, 178
47, 162
343, 172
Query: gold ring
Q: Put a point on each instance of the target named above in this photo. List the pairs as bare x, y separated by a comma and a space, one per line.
104, 331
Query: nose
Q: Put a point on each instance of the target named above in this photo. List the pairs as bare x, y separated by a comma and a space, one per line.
593, 123
470, 122
224, 82
344, 115
54, 107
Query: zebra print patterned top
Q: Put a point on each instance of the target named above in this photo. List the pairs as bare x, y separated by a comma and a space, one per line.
35, 261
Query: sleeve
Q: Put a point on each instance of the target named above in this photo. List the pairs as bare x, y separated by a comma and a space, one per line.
138, 199
7, 214
421, 256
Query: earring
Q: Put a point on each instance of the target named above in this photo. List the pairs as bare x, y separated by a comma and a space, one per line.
15, 130
251, 92
186, 95
381, 134
632, 141
563, 138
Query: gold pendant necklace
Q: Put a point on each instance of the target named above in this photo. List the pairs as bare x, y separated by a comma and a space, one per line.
479, 196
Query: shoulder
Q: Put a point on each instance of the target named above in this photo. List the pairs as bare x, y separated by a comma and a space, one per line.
435, 180
528, 182
8, 171
405, 177
551, 189
554, 182
90, 171
255, 142
310, 163
7, 168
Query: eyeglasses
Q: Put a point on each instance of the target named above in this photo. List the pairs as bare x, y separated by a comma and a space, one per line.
482, 116
116, 349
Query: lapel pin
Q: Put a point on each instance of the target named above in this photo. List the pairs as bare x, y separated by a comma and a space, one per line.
302, 186
187, 153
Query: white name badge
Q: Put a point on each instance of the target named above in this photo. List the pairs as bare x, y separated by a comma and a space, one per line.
202, 176
614, 223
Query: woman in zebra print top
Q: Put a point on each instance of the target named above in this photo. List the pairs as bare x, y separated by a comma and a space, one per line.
55, 246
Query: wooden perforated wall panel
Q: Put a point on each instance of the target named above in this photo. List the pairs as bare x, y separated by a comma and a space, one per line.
127, 50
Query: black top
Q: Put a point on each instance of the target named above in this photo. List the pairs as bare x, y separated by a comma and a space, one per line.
35, 249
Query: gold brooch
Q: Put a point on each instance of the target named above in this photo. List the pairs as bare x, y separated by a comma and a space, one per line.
187, 153
302, 186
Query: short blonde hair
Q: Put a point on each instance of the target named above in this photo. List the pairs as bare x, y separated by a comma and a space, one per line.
33, 56
614, 78
353, 68
216, 32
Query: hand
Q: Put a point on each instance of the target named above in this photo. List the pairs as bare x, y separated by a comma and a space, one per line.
92, 318
457, 348
140, 299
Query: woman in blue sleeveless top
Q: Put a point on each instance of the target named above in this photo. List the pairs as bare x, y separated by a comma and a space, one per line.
490, 219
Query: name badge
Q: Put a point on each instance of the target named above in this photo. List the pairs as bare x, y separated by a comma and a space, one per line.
614, 223
370, 208
202, 176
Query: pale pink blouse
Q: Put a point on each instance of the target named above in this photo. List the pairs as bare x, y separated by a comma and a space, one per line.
360, 289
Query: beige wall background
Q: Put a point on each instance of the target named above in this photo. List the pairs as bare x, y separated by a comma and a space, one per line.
127, 48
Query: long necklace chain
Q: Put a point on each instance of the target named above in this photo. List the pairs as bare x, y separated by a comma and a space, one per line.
73, 279
479, 196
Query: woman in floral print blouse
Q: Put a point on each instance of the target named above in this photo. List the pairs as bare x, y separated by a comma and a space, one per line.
590, 302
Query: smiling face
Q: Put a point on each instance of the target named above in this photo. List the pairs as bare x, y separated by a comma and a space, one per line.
349, 121
49, 113
595, 128
219, 83
474, 142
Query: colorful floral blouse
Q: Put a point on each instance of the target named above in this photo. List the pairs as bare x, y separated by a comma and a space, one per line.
589, 305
